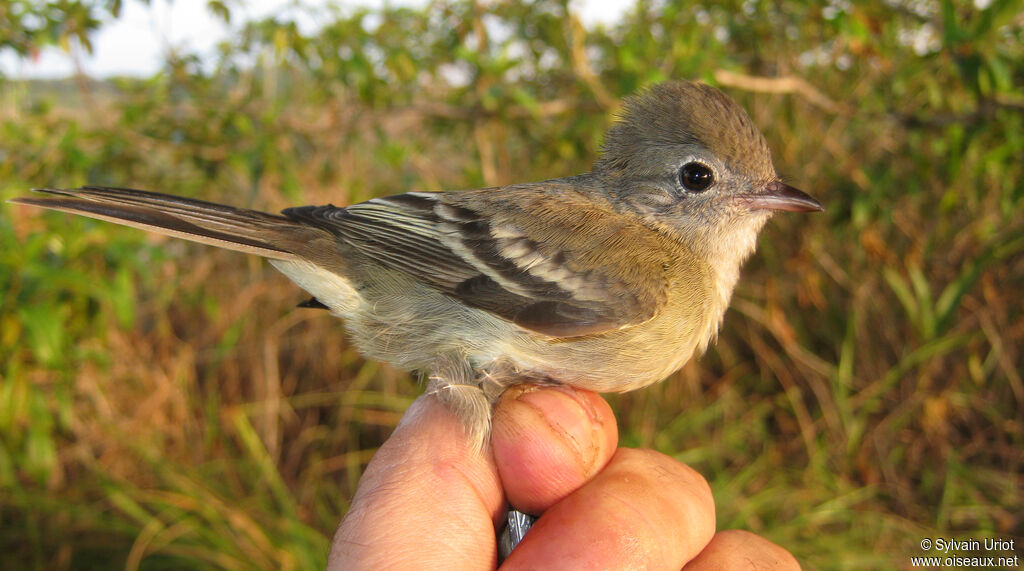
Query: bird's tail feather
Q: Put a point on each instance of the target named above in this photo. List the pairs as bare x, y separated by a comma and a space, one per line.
250, 231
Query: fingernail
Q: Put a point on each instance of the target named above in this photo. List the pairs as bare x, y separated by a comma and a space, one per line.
570, 416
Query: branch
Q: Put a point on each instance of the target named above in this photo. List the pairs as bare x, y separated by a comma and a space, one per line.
787, 84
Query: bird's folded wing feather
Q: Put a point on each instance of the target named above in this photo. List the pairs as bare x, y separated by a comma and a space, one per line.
514, 259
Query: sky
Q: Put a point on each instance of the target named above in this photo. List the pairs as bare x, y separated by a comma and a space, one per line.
134, 44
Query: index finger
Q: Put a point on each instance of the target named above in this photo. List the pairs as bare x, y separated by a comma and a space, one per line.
425, 483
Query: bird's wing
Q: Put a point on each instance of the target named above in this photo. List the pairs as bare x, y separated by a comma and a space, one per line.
504, 252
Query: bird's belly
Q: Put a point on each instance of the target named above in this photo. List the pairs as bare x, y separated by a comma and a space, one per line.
617, 361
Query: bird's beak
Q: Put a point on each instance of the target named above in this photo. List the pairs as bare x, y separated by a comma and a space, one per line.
780, 196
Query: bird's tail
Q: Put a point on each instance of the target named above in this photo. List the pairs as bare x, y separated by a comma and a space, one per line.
269, 235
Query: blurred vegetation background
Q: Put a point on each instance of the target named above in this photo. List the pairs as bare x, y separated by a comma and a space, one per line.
164, 405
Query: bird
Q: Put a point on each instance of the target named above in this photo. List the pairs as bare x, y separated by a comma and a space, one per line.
609, 280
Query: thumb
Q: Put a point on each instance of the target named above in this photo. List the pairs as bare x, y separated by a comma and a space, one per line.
549, 441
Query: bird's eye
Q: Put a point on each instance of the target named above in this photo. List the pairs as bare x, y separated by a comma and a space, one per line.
696, 177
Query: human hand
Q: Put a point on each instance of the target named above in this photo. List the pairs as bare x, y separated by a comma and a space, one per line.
427, 501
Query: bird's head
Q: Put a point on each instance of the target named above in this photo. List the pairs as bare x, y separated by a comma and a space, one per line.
686, 158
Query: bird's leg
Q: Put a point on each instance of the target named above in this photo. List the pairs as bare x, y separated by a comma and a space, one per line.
457, 385
501, 374
471, 393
